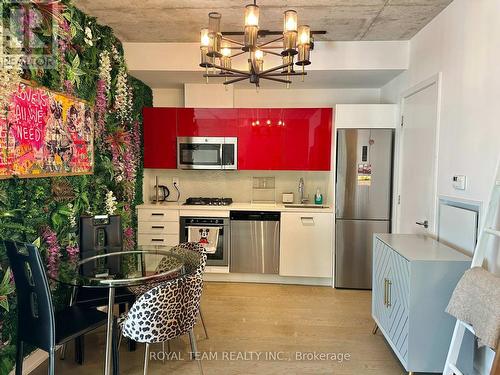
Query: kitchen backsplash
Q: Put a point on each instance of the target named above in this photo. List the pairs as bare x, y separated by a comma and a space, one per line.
236, 184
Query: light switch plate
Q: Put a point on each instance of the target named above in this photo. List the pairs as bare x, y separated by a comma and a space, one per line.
459, 182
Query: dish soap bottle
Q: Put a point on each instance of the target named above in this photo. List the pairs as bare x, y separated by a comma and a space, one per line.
318, 197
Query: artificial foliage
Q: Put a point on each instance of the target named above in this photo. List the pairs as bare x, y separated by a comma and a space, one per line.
90, 66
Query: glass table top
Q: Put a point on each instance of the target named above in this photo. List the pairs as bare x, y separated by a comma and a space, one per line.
128, 268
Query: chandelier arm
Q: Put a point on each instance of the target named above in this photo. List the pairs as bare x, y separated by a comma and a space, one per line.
271, 41
275, 68
238, 54
276, 79
232, 41
273, 53
235, 80
222, 75
287, 74
272, 47
229, 69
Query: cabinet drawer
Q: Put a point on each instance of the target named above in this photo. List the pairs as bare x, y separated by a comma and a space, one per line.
157, 214
158, 239
158, 227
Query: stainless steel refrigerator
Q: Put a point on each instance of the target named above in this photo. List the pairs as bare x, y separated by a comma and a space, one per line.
363, 198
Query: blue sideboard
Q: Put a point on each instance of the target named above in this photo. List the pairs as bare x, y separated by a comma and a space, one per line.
413, 279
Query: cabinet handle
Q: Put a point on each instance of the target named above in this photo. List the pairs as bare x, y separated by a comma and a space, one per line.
385, 292
308, 219
157, 214
389, 293
157, 240
157, 227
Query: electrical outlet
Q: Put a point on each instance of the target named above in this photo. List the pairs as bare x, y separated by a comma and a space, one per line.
175, 181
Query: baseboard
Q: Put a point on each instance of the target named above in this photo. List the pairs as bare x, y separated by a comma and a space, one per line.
216, 269
268, 279
32, 361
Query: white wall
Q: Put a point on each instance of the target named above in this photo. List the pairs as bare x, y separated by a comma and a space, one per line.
303, 97
245, 98
168, 97
462, 43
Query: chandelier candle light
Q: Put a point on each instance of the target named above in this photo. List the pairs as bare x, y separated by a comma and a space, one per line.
294, 43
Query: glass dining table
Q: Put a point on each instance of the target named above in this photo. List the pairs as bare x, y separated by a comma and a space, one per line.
126, 269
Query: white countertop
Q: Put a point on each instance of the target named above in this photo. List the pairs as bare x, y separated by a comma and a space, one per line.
417, 247
237, 206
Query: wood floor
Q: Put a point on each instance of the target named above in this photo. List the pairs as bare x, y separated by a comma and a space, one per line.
268, 320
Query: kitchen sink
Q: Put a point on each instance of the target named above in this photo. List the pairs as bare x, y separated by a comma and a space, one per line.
305, 206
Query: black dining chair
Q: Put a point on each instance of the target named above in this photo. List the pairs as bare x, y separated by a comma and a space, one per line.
37, 323
100, 235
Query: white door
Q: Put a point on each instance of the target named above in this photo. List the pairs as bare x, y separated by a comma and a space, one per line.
418, 159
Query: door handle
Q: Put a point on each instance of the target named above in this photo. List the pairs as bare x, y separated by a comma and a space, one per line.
389, 293
424, 223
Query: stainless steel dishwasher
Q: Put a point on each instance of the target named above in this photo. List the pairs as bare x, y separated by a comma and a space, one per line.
255, 242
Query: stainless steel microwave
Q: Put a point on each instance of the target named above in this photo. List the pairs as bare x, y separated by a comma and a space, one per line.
207, 153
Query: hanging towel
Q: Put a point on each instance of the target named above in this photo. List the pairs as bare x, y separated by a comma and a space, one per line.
208, 237
476, 301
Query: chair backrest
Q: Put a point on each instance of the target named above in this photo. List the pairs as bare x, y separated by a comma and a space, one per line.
35, 311
100, 236
166, 311
194, 265
182, 248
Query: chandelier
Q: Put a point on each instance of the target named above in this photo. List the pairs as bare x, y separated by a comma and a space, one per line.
293, 46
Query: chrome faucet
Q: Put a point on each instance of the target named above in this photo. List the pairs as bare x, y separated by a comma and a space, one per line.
301, 192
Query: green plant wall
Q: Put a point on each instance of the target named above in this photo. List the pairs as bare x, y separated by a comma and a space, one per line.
90, 66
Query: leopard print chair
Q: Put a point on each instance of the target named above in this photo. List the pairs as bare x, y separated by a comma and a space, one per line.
165, 264
166, 311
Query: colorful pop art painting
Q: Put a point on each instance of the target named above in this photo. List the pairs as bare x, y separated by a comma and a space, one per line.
46, 134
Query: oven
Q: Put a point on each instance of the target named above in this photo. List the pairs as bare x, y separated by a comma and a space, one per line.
221, 255
207, 153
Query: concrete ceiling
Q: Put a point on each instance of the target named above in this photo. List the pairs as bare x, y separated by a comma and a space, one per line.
180, 21
315, 79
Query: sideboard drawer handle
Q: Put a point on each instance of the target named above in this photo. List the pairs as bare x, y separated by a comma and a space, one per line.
157, 227
157, 240
389, 293
385, 292
157, 214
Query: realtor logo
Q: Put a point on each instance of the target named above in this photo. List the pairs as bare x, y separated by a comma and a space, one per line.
28, 32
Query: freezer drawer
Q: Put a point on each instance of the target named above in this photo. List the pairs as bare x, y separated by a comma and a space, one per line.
254, 246
353, 251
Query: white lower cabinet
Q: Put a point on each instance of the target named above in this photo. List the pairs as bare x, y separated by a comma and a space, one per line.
306, 244
157, 227
413, 279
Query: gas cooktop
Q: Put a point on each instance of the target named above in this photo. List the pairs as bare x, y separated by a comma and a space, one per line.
208, 201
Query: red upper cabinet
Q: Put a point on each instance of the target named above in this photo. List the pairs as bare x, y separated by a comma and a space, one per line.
285, 139
260, 139
160, 138
268, 138
207, 122
308, 139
